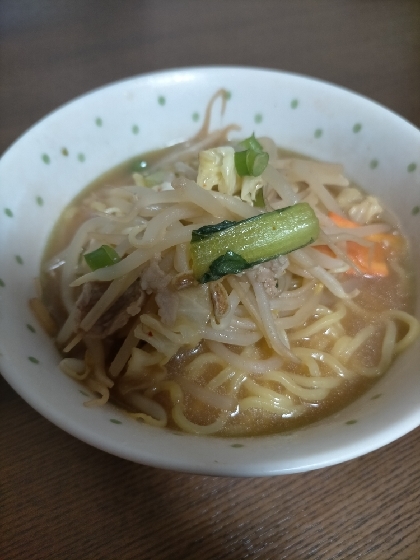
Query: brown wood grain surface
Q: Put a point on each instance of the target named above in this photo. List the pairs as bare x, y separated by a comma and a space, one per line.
60, 498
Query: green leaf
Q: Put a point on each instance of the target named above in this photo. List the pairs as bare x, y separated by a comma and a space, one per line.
208, 231
229, 263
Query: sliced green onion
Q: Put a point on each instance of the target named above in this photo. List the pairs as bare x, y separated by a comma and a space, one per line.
253, 160
250, 162
229, 247
252, 143
256, 162
102, 257
240, 163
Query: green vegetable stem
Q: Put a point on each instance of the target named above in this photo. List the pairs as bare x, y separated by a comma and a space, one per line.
231, 247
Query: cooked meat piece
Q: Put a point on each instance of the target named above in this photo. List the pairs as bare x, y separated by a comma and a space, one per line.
168, 303
269, 273
219, 299
126, 306
154, 279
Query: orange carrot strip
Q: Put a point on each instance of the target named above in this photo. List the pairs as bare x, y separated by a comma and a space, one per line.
342, 222
388, 241
325, 250
371, 261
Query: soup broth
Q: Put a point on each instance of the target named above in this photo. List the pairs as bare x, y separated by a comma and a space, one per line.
269, 349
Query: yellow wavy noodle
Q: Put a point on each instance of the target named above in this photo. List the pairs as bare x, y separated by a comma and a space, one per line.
322, 324
293, 332
99, 388
199, 365
147, 419
413, 328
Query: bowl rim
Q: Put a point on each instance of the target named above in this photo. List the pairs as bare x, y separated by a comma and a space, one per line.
259, 467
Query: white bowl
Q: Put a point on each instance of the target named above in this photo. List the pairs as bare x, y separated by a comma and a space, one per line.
64, 152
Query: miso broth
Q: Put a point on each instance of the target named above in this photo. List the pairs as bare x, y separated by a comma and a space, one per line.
269, 349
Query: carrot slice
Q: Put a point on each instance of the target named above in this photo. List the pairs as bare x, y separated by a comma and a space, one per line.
325, 250
342, 222
371, 261
388, 241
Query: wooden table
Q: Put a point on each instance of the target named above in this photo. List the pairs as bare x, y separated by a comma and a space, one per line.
61, 499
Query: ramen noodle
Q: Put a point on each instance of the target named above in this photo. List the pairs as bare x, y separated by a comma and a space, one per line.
270, 345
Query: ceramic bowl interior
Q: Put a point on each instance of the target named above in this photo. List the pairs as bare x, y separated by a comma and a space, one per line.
63, 153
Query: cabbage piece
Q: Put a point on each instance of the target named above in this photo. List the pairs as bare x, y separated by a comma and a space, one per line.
348, 197
194, 310
141, 366
249, 188
364, 212
217, 168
